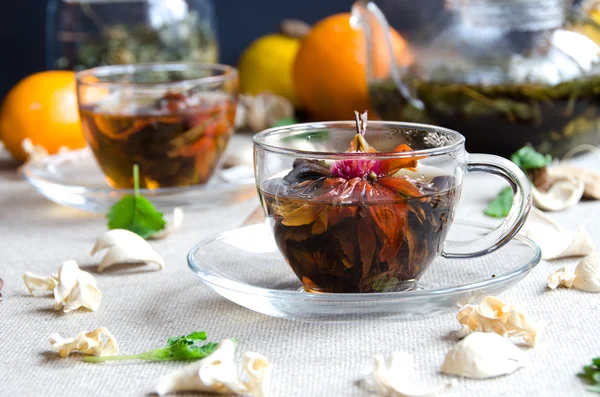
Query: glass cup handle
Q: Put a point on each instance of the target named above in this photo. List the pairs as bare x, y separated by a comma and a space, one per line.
512, 223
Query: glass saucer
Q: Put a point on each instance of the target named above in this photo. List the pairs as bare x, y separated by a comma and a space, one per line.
244, 266
74, 179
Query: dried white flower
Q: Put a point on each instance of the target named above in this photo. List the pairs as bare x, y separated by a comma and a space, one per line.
262, 111
38, 152
394, 379
99, 342
217, 374
563, 277
563, 194
35, 283
587, 274
125, 247
483, 355
554, 241
72, 287
75, 289
494, 315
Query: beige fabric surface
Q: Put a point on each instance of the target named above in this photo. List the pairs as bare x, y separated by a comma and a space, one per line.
143, 307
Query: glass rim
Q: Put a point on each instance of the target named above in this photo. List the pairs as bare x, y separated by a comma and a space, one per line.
259, 142
226, 73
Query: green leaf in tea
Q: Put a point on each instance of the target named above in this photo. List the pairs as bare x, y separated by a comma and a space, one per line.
590, 374
135, 213
528, 158
501, 205
186, 347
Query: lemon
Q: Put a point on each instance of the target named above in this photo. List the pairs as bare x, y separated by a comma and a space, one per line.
267, 65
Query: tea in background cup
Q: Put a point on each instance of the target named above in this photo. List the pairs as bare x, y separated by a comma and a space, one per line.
173, 120
367, 210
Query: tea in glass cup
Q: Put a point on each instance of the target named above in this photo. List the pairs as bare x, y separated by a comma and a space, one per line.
172, 120
356, 209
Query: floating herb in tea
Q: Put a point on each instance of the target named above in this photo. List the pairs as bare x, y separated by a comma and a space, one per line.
176, 138
135, 213
359, 224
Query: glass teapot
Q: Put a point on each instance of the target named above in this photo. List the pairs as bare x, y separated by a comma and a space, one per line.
82, 34
504, 73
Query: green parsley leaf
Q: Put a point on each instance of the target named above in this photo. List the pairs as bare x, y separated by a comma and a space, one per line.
528, 158
590, 374
186, 347
501, 205
135, 213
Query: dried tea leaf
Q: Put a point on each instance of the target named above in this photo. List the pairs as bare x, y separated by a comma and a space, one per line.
402, 185
392, 220
303, 215
367, 244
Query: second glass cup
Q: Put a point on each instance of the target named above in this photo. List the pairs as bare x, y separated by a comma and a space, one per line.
173, 120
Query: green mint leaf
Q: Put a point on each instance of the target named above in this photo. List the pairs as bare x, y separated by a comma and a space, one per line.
528, 158
135, 213
185, 347
501, 205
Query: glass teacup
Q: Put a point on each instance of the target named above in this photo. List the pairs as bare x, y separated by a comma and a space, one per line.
173, 120
372, 221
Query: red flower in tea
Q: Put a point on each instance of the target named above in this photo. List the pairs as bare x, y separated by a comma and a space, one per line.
358, 224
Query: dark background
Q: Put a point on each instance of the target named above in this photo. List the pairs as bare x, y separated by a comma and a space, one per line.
23, 24
22, 29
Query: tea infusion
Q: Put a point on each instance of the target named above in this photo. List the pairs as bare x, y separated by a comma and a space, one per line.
175, 139
359, 225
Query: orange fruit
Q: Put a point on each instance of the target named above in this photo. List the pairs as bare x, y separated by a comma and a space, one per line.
330, 75
43, 108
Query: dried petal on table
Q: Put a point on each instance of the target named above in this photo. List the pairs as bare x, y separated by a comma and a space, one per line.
258, 369
563, 194
38, 152
590, 179
494, 315
554, 241
563, 277
125, 247
587, 274
585, 277
1, 287
483, 355
262, 111
75, 289
394, 378
217, 374
35, 283
171, 226
99, 342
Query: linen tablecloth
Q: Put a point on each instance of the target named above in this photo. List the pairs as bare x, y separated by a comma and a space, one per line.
143, 307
